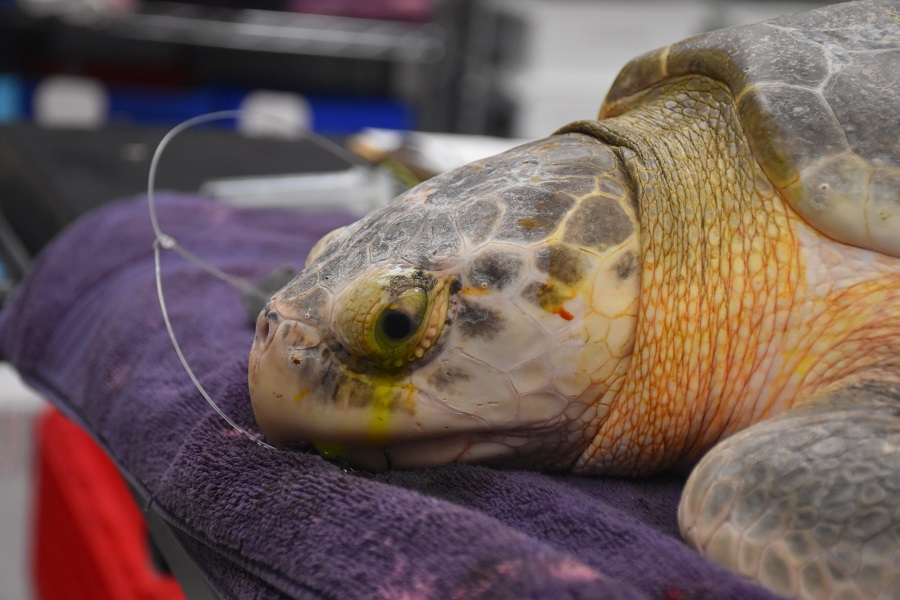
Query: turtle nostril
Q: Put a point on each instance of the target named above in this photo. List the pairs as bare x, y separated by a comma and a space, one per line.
264, 328
292, 334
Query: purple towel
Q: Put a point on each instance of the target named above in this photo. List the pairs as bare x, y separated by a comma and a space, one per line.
86, 331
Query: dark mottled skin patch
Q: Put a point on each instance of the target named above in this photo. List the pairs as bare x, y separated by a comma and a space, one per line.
561, 263
348, 264
339, 388
390, 239
627, 266
532, 212
328, 381
356, 393
436, 240
557, 203
443, 379
493, 270
478, 321
549, 297
532, 291
476, 220
598, 223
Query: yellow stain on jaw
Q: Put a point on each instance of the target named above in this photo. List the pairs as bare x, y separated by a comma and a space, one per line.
387, 395
301, 396
387, 399
383, 396
330, 450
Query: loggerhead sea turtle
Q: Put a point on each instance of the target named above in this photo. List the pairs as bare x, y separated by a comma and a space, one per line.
718, 253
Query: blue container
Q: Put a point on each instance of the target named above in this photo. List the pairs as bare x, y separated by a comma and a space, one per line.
342, 115
12, 98
329, 114
158, 106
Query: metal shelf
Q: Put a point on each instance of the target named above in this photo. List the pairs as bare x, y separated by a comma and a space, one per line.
201, 46
272, 31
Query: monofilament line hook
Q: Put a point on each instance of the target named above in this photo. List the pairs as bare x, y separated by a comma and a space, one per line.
168, 242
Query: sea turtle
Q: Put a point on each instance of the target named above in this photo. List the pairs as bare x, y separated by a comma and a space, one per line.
718, 253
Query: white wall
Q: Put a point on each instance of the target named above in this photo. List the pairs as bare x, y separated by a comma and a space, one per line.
573, 49
19, 407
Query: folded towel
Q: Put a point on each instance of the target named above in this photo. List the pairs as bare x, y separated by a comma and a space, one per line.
86, 331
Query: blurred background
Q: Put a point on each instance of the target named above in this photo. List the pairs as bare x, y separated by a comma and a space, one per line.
89, 87
499, 67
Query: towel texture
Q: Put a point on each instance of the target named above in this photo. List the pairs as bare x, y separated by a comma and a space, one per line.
85, 329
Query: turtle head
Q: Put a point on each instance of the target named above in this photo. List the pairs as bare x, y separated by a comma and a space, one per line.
485, 315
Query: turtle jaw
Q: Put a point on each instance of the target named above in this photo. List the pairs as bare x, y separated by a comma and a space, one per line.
278, 345
302, 392
403, 455
499, 448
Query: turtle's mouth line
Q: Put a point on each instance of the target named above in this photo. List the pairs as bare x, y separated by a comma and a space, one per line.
401, 455
458, 447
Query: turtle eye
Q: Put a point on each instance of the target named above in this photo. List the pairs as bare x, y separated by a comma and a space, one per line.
396, 325
401, 319
394, 319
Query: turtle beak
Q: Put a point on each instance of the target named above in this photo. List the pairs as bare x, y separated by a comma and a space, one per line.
291, 334
281, 351
266, 324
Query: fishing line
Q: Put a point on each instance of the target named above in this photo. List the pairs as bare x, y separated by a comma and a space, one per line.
165, 241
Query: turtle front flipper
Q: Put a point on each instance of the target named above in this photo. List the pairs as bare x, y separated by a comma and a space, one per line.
807, 503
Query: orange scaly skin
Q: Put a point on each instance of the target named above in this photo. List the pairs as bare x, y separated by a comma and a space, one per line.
745, 311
